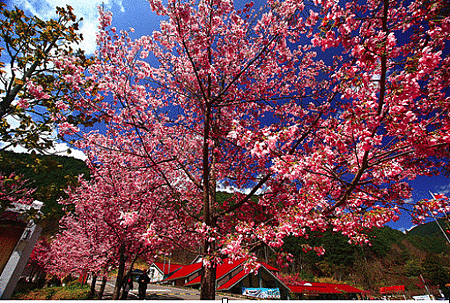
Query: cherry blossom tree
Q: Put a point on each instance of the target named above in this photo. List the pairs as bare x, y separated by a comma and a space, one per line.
77, 249
110, 220
39, 257
32, 80
13, 190
325, 110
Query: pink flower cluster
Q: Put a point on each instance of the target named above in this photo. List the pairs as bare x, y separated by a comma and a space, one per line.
326, 115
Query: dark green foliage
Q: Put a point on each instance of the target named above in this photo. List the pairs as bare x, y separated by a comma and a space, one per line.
432, 244
339, 252
430, 229
339, 256
434, 271
382, 239
413, 267
222, 197
392, 257
50, 175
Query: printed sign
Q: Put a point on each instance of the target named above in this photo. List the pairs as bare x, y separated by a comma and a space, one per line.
262, 293
423, 297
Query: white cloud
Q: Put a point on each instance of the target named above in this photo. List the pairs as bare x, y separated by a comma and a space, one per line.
60, 148
122, 9
406, 230
444, 189
409, 201
46, 9
89, 43
246, 191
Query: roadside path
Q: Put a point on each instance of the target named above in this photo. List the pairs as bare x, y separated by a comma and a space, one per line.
158, 292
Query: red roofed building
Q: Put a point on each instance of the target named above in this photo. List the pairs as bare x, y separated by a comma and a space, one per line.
185, 274
158, 271
325, 291
232, 278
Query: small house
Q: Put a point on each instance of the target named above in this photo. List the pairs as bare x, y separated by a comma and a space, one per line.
159, 271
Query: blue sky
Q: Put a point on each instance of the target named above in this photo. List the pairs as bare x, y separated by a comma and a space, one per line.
137, 14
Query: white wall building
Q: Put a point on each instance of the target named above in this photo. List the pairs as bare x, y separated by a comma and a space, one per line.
17, 240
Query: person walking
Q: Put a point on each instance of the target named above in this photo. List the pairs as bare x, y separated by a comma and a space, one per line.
143, 280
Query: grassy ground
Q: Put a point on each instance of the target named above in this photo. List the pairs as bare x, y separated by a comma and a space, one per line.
73, 291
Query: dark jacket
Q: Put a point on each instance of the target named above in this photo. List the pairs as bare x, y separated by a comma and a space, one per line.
143, 280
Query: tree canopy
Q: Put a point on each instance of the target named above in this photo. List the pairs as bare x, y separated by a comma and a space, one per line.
324, 109
32, 85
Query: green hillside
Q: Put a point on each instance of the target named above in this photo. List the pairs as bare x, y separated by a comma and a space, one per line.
392, 258
50, 175
430, 229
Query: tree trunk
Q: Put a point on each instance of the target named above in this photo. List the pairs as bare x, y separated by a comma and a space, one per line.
208, 282
102, 288
208, 288
93, 282
120, 271
32, 273
124, 294
124, 284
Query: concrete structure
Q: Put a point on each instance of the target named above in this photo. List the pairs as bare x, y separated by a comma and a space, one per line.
17, 240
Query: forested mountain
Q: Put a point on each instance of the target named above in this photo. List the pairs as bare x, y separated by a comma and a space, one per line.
392, 258
50, 175
432, 229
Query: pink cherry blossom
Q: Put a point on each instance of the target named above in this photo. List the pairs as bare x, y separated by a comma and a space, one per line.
326, 115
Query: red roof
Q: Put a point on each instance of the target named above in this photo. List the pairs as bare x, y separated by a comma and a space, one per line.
223, 269
269, 267
323, 288
226, 267
185, 271
313, 289
165, 267
233, 281
195, 281
392, 289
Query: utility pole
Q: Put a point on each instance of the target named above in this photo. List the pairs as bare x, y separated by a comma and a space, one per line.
426, 287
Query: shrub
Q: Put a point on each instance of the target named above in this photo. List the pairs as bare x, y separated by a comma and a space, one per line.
73, 291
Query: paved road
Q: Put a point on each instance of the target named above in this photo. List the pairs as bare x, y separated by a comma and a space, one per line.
158, 292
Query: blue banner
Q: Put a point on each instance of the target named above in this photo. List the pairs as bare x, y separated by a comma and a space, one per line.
262, 293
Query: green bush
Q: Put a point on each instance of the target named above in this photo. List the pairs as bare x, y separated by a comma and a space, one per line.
73, 291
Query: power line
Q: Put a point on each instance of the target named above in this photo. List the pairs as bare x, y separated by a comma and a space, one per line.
440, 227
